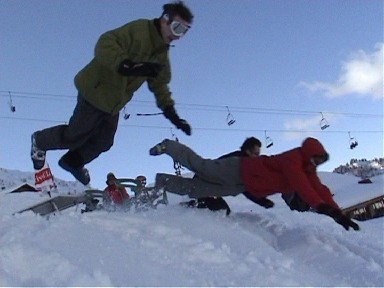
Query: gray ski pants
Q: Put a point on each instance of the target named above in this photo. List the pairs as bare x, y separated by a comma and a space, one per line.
89, 132
219, 177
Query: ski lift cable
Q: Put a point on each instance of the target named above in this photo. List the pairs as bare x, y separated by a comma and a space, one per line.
36, 95
207, 128
200, 107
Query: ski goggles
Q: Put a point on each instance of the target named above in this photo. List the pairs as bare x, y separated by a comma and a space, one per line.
178, 29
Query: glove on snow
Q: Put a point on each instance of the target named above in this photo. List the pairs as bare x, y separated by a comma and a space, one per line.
170, 113
143, 69
294, 202
213, 204
265, 202
338, 216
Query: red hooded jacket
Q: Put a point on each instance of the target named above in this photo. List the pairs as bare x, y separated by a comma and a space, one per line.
117, 193
291, 171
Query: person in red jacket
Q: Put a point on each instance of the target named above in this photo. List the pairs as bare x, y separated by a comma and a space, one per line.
115, 193
288, 172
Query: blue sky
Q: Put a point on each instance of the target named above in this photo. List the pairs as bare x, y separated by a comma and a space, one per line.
276, 65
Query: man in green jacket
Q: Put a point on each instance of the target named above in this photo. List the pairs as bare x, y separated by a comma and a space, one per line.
124, 59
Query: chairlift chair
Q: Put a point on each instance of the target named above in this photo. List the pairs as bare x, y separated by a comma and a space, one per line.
230, 119
268, 140
11, 106
352, 142
126, 115
323, 122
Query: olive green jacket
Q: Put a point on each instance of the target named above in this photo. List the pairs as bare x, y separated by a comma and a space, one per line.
139, 41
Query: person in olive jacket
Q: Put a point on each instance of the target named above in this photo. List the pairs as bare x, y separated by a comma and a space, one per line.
124, 59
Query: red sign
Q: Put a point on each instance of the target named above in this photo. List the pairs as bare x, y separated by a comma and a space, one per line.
43, 175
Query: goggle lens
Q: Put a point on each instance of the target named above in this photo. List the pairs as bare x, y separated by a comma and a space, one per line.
178, 29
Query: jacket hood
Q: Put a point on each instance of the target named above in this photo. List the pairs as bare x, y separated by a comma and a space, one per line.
312, 147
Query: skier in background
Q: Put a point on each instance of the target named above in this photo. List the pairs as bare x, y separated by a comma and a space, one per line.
114, 194
124, 59
142, 180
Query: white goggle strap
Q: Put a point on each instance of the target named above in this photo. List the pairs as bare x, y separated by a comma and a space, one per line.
166, 17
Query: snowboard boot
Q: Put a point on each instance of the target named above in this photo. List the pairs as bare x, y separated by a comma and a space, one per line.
158, 149
37, 155
73, 163
190, 204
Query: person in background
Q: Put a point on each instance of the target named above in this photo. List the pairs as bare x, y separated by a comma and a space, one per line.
142, 180
125, 58
114, 194
287, 172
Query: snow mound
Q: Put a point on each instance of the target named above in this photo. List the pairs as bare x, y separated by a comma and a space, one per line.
177, 246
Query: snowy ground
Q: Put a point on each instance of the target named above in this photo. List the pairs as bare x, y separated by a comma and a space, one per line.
176, 246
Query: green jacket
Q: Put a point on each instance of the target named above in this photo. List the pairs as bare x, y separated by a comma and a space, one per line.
139, 41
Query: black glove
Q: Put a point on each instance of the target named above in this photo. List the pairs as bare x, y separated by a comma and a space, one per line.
143, 69
294, 202
265, 202
170, 113
338, 216
213, 204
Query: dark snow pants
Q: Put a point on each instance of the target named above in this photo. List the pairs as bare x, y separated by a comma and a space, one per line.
219, 177
89, 132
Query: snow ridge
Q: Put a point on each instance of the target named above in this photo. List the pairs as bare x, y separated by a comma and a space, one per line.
362, 168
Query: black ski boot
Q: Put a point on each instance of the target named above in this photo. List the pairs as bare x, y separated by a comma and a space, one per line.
73, 163
37, 155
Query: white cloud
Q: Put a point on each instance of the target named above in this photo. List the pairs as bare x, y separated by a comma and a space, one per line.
301, 128
362, 74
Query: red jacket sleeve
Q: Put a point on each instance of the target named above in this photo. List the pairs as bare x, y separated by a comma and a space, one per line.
323, 191
302, 183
